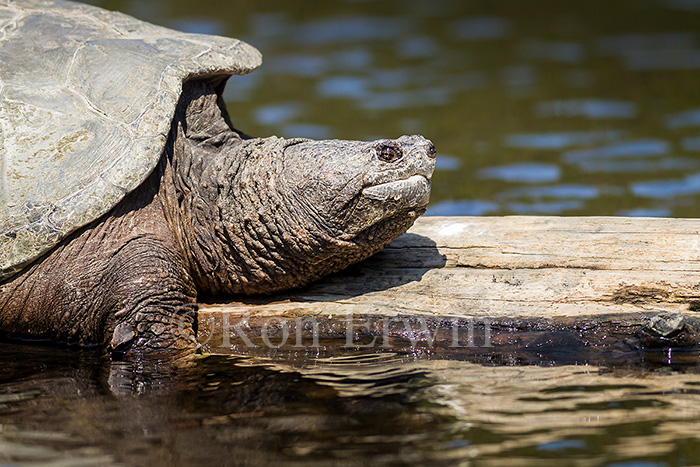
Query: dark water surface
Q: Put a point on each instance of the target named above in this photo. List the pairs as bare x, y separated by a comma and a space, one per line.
588, 107
60, 407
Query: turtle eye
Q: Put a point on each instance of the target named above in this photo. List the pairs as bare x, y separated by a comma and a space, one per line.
389, 152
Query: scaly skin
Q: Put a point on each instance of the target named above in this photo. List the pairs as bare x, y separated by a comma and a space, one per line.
221, 214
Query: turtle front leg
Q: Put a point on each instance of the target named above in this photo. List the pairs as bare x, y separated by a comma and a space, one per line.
113, 284
151, 299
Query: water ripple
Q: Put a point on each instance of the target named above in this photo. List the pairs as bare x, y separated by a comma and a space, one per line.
521, 75
663, 60
462, 208
278, 113
569, 190
307, 130
623, 44
629, 166
684, 119
560, 140
691, 144
443, 162
199, 26
525, 172
690, 185
480, 28
405, 99
636, 148
353, 87
645, 212
338, 30
587, 108
556, 51
293, 64
418, 47
548, 207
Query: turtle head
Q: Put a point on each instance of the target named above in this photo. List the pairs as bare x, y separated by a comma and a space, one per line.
361, 192
293, 210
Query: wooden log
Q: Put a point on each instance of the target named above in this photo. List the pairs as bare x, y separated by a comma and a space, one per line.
610, 274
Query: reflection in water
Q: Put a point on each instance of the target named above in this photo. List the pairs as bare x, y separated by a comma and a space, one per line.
358, 409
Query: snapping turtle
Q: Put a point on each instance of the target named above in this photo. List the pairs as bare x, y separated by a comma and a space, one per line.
126, 191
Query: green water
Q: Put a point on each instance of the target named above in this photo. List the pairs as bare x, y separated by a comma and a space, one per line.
536, 107
587, 107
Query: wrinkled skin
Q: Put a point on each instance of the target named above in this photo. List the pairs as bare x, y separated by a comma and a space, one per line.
221, 214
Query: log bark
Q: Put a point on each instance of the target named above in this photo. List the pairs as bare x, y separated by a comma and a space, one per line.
625, 278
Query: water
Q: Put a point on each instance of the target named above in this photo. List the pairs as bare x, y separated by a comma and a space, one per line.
344, 407
585, 107
539, 94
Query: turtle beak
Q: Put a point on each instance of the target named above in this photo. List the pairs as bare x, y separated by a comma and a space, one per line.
413, 192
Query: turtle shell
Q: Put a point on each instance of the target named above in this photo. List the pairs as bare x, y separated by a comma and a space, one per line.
87, 98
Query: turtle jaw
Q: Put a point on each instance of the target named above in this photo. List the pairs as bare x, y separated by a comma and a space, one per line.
388, 203
412, 192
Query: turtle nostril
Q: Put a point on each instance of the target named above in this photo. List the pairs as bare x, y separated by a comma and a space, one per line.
431, 151
389, 152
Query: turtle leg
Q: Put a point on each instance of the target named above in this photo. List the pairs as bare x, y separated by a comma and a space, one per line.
127, 291
152, 299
